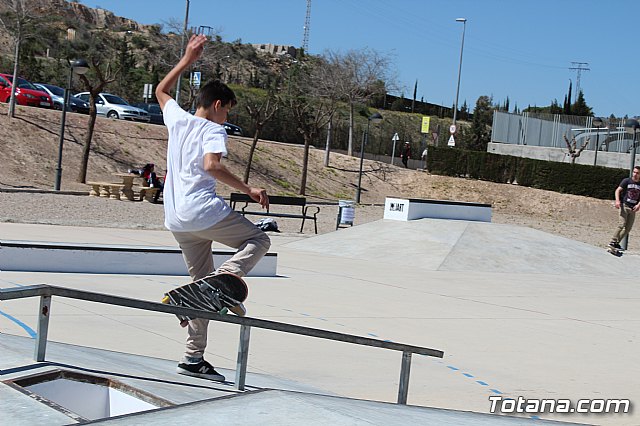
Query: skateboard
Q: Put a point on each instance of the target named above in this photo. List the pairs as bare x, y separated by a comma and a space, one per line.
214, 293
614, 251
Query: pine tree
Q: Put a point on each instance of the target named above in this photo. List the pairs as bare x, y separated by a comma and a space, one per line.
482, 118
567, 100
580, 107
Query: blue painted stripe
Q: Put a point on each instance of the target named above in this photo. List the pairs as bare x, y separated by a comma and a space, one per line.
453, 368
496, 391
482, 383
372, 334
467, 375
26, 328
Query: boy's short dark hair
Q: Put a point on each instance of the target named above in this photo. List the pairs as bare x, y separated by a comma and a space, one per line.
215, 91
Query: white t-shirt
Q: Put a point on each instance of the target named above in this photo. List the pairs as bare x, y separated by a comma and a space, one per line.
190, 200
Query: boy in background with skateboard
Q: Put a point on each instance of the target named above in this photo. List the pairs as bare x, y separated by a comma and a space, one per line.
194, 213
628, 202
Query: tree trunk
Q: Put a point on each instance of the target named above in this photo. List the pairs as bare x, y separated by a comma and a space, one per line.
305, 164
247, 170
350, 147
16, 60
82, 175
327, 149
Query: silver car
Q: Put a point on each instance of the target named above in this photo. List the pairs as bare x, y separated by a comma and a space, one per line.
113, 106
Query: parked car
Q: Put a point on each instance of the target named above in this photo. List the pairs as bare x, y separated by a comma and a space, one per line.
232, 129
113, 106
155, 112
26, 93
57, 96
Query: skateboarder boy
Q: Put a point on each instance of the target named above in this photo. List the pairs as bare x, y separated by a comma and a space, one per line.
628, 201
194, 213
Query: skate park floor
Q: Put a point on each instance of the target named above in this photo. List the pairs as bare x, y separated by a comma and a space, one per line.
518, 312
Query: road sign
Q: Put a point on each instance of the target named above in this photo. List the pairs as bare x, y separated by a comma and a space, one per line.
195, 79
394, 139
452, 129
452, 141
425, 124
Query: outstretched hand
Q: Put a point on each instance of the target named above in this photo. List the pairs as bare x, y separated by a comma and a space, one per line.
260, 196
195, 47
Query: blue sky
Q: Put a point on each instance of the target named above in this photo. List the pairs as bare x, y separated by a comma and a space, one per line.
517, 49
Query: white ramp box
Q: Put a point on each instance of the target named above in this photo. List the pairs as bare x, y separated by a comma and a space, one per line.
36, 256
412, 208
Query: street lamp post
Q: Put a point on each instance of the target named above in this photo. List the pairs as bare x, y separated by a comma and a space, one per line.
81, 67
597, 123
630, 125
455, 109
376, 118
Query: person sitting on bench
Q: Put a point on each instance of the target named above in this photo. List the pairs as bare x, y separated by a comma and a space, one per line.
148, 173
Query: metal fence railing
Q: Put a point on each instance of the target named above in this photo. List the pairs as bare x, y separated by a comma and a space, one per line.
46, 292
549, 130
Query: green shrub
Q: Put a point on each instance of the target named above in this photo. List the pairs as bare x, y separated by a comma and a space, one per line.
578, 179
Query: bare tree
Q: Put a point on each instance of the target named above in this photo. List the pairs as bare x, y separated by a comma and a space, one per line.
260, 111
101, 53
574, 151
18, 18
311, 103
359, 75
104, 77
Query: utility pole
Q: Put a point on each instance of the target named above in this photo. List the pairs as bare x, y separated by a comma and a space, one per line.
579, 67
184, 40
307, 24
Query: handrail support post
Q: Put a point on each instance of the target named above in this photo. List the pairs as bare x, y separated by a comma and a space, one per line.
43, 328
243, 356
403, 388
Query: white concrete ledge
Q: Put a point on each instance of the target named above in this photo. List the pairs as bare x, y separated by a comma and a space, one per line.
34, 256
413, 208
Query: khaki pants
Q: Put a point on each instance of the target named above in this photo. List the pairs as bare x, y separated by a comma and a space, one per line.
625, 223
234, 231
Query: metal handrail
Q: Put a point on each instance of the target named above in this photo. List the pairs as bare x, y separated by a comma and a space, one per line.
45, 292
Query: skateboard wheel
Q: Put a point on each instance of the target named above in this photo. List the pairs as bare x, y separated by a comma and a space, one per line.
165, 299
223, 311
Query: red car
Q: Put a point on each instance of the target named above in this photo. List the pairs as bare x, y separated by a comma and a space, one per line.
26, 93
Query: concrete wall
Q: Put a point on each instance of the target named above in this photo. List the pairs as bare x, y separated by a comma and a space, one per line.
605, 159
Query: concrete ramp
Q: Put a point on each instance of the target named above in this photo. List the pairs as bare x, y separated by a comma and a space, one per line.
275, 407
272, 401
453, 245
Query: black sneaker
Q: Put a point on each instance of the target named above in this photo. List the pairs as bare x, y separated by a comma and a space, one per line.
615, 245
203, 369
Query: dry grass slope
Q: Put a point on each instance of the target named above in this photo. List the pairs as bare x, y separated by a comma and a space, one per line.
29, 145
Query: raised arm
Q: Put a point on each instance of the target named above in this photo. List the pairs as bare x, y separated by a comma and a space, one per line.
193, 52
214, 167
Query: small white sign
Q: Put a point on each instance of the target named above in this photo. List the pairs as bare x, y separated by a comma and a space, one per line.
452, 141
148, 91
452, 129
395, 137
195, 79
396, 208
